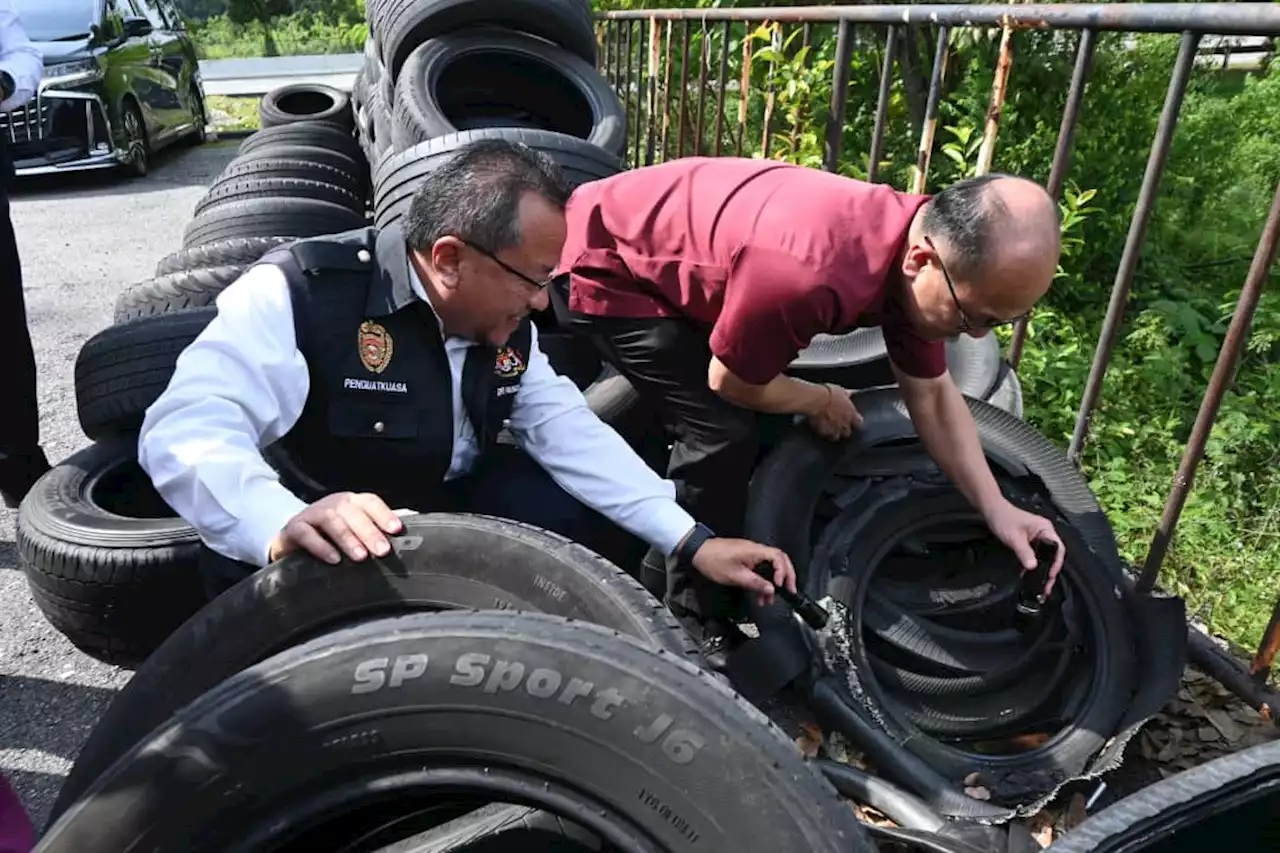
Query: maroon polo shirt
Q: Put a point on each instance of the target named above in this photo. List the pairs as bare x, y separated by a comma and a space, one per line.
763, 254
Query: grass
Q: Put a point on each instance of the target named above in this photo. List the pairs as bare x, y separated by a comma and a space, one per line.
229, 114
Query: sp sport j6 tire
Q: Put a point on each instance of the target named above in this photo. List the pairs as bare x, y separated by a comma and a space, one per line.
441, 561
641, 747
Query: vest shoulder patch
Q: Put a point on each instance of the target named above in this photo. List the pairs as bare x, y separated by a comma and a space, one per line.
509, 363
376, 346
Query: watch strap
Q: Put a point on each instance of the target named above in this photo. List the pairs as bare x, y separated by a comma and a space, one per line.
689, 547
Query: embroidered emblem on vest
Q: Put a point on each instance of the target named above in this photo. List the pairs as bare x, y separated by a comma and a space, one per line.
508, 364
375, 346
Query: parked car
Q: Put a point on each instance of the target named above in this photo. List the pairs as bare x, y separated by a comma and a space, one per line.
121, 81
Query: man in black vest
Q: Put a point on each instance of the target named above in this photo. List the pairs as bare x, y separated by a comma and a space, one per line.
22, 461
381, 368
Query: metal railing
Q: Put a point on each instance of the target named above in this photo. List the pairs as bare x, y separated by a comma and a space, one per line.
636, 56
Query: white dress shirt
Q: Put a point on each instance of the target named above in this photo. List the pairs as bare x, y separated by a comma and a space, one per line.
19, 57
242, 383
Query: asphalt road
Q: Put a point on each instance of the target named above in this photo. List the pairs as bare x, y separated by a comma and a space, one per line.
83, 239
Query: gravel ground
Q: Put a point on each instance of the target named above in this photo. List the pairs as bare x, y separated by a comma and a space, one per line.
83, 238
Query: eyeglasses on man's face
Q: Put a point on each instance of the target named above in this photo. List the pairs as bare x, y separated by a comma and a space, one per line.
534, 283
967, 324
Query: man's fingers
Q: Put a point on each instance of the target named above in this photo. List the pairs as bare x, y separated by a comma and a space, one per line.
335, 528
784, 573
364, 528
752, 581
376, 508
310, 540
1021, 546
1058, 561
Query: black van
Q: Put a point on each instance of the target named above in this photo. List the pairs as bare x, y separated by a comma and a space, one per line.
121, 81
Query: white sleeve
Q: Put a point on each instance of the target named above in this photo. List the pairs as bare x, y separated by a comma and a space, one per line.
237, 388
552, 422
19, 57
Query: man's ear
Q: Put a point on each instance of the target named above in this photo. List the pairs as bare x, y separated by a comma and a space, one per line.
915, 259
446, 256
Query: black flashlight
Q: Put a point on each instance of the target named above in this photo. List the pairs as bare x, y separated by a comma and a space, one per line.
814, 615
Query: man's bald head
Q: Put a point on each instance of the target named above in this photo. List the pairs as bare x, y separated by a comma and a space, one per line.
992, 220
998, 237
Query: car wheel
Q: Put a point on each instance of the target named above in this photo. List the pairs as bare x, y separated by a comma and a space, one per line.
137, 151
200, 115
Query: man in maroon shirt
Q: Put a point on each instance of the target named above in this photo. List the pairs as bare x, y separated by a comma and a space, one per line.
702, 278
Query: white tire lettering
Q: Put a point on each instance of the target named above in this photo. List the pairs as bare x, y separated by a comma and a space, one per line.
470, 669
369, 675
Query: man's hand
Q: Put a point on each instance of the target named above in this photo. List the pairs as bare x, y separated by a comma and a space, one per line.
356, 522
838, 418
732, 562
1019, 529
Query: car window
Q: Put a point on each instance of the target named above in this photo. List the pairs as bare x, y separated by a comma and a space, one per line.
57, 20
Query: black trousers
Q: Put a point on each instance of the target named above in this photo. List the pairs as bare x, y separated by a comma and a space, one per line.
716, 443
506, 483
21, 459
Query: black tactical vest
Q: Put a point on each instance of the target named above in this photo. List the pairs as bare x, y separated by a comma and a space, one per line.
379, 414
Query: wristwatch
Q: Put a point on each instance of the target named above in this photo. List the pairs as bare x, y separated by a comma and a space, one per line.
689, 547
7, 85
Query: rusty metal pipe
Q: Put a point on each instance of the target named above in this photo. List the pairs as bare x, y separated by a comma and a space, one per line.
655, 62
602, 60
684, 87
1223, 369
1004, 64
704, 59
1062, 154
1224, 18
839, 95
666, 93
744, 90
1217, 664
882, 103
642, 88
724, 78
1260, 667
1133, 243
925, 152
626, 80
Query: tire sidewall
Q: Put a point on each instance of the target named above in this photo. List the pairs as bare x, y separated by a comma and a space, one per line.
420, 81
646, 733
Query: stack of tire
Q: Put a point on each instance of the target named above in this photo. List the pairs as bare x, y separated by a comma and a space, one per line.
441, 73
109, 564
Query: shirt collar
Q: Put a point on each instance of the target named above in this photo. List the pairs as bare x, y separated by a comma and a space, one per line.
421, 292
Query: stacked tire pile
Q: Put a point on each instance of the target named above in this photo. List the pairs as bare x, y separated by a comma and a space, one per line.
441, 73
108, 563
367, 707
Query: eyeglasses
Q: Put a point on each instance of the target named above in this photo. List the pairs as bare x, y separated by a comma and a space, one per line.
966, 325
534, 283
